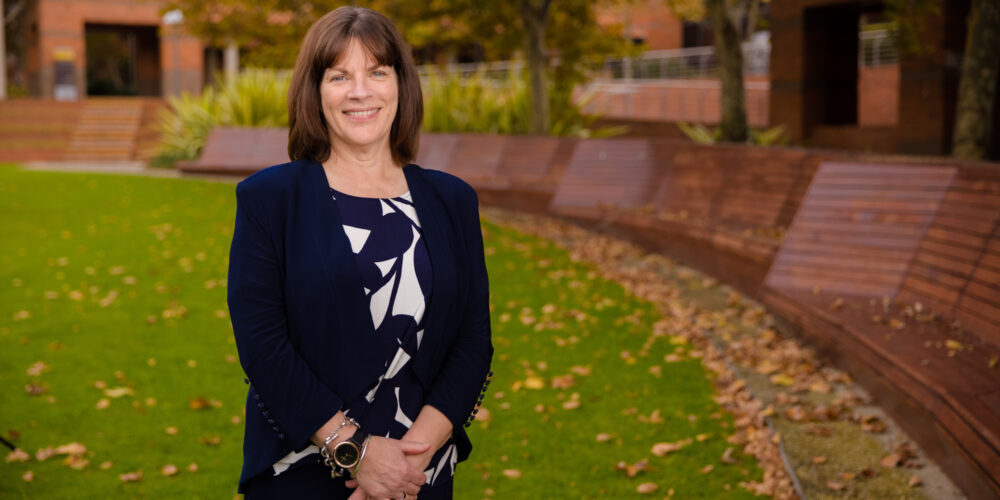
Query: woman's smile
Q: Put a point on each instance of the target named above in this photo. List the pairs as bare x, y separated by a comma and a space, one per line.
362, 114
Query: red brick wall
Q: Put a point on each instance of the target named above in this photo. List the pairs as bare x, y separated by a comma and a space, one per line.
649, 20
878, 96
61, 23
695, 101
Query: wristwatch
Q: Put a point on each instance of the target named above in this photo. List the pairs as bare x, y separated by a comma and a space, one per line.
347, 454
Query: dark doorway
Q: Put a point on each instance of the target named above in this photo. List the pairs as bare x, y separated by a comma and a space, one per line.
122, 60
831, 65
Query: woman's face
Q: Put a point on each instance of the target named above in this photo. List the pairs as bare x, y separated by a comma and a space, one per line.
359, 100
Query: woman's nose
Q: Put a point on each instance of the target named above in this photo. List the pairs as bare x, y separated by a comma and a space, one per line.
360, 88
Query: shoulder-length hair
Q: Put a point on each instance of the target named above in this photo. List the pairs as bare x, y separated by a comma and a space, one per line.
324, 43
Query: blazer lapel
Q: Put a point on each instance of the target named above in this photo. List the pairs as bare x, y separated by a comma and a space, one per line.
434, 223
348, 306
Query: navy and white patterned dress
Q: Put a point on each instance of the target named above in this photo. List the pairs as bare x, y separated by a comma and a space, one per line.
388, 246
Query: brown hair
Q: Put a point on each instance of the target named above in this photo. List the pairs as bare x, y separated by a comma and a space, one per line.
324, 43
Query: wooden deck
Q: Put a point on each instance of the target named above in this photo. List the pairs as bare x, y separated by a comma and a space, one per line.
891, 268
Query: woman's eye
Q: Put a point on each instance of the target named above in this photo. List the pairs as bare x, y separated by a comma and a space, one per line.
379, 73
337, 78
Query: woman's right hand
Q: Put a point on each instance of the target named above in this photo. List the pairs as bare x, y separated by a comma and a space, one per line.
385, 471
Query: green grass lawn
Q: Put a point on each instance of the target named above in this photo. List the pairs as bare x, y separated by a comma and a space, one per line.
117, 286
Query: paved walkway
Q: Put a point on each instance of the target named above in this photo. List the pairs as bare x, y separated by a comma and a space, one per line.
122, 168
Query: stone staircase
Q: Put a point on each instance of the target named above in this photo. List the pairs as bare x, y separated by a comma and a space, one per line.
106, 130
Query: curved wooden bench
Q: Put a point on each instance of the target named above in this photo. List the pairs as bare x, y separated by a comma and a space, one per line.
858, 275
867, 242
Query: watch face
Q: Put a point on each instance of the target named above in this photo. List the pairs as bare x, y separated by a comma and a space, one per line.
346, 454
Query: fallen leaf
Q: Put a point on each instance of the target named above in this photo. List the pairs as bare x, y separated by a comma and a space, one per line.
211, 440
18, 455
71, 449
563, 381
767, 367
28, 476
571, 404
169, 470
483, 415
661, 449
534, 383
171, 430
647, 488
117, 392
891, 461
105, 465
44, 453
130, 477
727, 456
835, 486
603, 437
76, 462
512, 473
35, 389
582, 371
706, 469
37, 368
192, 467
819, 460
914, 481
102, 404
872, 424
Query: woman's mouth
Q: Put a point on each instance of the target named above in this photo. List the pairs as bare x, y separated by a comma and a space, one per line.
361, 113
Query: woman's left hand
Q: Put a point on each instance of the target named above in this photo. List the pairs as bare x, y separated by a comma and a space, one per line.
387, 472
420, 461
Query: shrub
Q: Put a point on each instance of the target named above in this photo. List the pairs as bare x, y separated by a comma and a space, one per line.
480, 104
255, 98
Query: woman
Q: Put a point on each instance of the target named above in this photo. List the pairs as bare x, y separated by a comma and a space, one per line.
357, 286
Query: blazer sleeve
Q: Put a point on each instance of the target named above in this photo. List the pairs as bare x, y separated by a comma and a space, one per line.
290, 396
466, 367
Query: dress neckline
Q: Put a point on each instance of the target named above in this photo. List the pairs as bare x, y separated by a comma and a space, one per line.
404, 196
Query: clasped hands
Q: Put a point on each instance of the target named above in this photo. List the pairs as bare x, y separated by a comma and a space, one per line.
390, 469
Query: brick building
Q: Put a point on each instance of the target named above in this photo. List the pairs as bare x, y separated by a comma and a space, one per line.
78, 48
816, 83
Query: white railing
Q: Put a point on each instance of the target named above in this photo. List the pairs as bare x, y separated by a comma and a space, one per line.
687, 63
877, 48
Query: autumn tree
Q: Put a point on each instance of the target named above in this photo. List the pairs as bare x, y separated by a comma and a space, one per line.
978, 84
733, 21
978, 78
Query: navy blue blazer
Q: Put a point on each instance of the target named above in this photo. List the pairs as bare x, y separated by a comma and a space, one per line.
301, 320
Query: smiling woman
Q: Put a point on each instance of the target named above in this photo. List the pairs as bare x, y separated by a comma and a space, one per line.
365, 361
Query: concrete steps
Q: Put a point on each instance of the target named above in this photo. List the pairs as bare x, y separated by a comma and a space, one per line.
106, 130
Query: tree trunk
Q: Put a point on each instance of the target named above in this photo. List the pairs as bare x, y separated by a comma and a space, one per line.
3, 54
977, 87
729, 51
535, 19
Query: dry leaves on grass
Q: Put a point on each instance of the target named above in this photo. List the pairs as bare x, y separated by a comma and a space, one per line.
687, 323
18, 455
631, 470
647, 488
512, 473
131, 477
